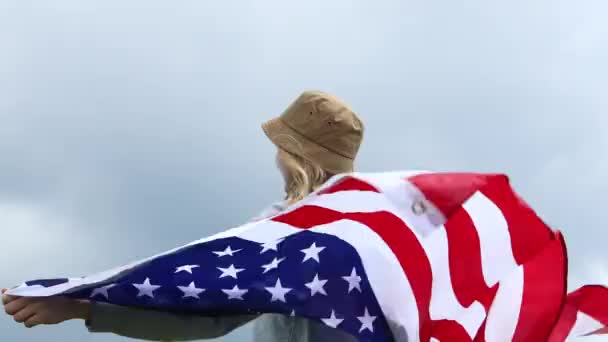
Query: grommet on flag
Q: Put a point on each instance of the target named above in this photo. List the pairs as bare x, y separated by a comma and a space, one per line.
418, 207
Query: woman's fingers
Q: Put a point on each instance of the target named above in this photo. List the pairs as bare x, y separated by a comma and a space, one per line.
16, 305
32, 311
6, 298
25, 313
32, 321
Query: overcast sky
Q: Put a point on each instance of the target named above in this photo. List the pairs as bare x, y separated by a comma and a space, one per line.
131, 127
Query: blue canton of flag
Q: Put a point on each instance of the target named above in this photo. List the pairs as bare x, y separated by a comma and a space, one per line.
308, 274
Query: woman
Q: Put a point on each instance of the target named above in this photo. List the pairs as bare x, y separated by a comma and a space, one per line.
317, 136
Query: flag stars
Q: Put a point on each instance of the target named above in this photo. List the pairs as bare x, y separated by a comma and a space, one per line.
103, 291
278, 292
332, 321
262, 281
271, 246
272, 265
176, 284
235, 293
186, 268
191, 291
367, 321
354, 281
312, 252
231, 271
316, 286
227, 251
146, 288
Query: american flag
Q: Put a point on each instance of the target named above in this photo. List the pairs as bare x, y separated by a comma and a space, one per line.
398, 256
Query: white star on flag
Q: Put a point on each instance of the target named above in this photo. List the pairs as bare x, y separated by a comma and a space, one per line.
235, 293
332, 321
354, 281
271, 246
102, 291
227, 251
278, 292
312, 252
272, 265
316, 286
367, 321
191, 291
146, 289
231, 271
186, 268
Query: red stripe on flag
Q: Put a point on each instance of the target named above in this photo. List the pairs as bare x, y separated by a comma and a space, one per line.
592, 300
544, 292
465, 262
396, 234
448, 191
564, 325
481, 333
529, 234
448, 330
349, 184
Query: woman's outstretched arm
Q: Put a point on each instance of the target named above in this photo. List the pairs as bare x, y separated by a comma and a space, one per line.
159, 326
121, 320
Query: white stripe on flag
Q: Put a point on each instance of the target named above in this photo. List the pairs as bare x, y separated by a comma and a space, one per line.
444, 304
496, 254
504, 312
584, 324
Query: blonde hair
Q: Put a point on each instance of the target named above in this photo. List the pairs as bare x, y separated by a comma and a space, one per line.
301, 176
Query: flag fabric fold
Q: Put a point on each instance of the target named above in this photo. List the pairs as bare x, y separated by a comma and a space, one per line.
396, 256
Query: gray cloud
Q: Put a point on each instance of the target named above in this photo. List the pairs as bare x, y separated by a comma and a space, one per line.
132, 128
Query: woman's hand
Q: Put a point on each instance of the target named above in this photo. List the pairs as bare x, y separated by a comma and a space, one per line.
32, 311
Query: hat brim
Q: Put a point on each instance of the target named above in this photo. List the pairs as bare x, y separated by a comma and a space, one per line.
292, 141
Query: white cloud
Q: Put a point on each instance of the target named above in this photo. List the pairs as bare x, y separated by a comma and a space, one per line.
38, 243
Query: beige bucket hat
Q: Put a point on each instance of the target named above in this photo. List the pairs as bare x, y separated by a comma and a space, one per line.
320, 128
